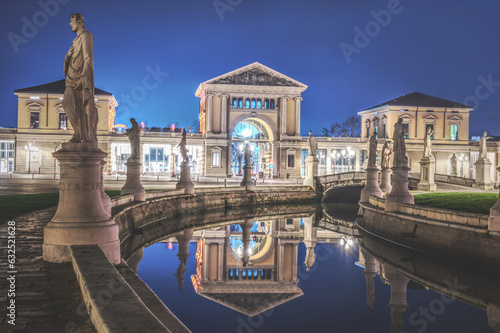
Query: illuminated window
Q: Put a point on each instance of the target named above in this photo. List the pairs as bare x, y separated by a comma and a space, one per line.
235, 102
63, 121
407, 131
272, 104
216, 159
266, 104
375, 131
253, 103
259, 104
427, 126
453, 132
35, 120
247, 103
240, 102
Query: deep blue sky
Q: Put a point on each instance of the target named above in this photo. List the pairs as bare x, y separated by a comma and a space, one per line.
436, 47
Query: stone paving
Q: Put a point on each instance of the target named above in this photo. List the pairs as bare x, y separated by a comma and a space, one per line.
47, 295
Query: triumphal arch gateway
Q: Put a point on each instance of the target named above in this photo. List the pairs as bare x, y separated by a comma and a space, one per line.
256, 105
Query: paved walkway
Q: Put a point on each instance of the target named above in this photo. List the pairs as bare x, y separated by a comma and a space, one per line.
47, 296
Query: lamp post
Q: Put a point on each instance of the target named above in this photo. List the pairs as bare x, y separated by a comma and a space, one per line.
463, 158
27, 148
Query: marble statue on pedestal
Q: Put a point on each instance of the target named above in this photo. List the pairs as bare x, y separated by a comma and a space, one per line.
312, 144
372, 152
483, 148
453, 162
78, 101
399, 147
183, 147
386, 155
428, 142
134, 135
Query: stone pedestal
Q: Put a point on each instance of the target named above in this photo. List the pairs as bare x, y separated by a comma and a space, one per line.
494, 219
247, 179
185, 181
399, 192
385, 182
106, 201
483, 174
426, 183
398, 305
80, 218
133, 183
311, 170
371, 186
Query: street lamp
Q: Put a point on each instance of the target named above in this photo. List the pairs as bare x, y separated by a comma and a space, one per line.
343, 158
463, 158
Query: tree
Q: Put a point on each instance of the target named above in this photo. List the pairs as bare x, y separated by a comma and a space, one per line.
196, 126
349, 128
325, 132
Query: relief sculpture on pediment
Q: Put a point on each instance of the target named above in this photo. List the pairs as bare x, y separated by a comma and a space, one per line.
255, 77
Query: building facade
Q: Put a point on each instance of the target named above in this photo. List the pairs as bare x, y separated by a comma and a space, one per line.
253, 105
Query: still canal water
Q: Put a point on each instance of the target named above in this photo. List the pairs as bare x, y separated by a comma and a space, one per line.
310, 273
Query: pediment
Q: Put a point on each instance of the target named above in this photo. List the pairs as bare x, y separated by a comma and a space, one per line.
256, 74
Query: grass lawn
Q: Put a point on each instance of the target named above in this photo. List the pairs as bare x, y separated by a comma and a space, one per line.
469, 202
19, 204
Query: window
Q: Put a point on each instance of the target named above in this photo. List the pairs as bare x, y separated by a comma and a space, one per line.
375, 131
240, 102
427, 126
266, 104
216, 159
289, 221
404, 110
384, 134
253, 103
272, 104
63, 121
407, 131
368, 131
35, 120
247, 103
291, 161
453, 132
235, 102
259, 104
430, 111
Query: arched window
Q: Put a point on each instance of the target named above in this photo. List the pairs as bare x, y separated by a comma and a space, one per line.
240, 102
235, 102
247, 103
253, 103
259, 104
272, 103
266, 104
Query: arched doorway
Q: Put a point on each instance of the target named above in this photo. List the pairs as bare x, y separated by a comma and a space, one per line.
259, 135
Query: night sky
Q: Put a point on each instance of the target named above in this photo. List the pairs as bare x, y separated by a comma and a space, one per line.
449, 49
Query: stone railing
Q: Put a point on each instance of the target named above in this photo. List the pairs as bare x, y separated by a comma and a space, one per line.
454, 180
341, 177
437, 214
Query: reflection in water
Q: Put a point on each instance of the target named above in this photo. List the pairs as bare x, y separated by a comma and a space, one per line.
253, 265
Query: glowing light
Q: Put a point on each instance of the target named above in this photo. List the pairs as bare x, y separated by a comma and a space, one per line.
246, 133
170, 246
34, 97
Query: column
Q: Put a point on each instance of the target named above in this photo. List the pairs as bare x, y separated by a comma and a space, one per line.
205, 257
397, 303
210, 98
358, 159
281, 259
284, 101
223, 114
295, 251
297, 115
220, 261
329, 162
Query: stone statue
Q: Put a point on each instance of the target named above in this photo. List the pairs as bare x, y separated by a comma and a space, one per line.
386, 155
372, 152
483, 148
428, 142
134, 135
313, 145
453, 163
183, 147
180, 274
78, 101
248, 155
399, 147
